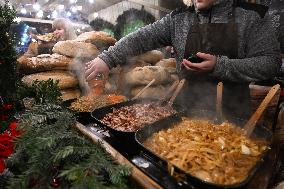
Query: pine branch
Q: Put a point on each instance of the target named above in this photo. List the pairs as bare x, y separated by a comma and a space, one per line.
54, 147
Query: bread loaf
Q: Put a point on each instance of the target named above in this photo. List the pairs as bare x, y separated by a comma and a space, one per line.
144, 75
151, 57
44, 62
134, 64
167, 63
73, 48
69, 94
100, 39
153, 92
66, 79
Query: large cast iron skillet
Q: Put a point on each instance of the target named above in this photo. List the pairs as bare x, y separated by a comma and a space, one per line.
147, 131
98, 114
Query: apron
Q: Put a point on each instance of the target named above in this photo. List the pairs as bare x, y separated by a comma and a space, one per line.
200, 90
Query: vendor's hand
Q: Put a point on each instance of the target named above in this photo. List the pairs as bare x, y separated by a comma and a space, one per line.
208, 64
95, 67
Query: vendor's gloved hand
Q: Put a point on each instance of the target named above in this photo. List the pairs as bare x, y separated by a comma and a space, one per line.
207, 65
95, 67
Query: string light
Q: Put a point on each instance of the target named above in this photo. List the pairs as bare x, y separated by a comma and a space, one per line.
39, 14
17, 19
60, 7
73, 9
36, 6
95, 15
79, 8
54, 14
69, 14
23, 10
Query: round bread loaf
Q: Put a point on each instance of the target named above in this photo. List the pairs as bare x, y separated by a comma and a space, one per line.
152, 92
66, 79
44, 62
78, 49
144, 75
98, 38
133, 64
151, 57
167, 63
69, 94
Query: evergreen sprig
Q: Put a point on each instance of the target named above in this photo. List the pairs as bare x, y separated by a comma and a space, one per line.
42, 91
51, 148
8, 75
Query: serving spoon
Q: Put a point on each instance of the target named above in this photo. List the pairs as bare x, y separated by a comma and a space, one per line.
250, 125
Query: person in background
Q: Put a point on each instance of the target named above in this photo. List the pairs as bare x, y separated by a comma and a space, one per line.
32, 33
237, 46
62, 30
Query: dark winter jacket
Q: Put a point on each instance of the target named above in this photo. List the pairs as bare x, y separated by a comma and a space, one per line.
258, 49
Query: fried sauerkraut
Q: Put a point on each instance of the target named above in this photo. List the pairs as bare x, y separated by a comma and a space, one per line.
219, 154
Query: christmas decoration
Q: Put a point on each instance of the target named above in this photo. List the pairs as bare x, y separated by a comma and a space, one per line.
8, 133
131, 20
41, 91
100, 24
52, 154
56, 155
7, 52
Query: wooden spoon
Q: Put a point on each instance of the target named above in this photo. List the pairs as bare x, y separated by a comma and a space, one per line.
171, 89
219, 103
179, 87
250, 125
142, 90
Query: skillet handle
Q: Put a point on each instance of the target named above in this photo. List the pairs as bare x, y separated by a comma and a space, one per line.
98, 122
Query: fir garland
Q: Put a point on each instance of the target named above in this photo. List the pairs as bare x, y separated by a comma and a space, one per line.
42, 91
51, 153
7, 53
131, 20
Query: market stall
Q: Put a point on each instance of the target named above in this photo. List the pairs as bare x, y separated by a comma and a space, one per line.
128, 128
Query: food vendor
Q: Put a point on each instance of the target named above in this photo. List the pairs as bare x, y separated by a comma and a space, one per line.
235, 43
